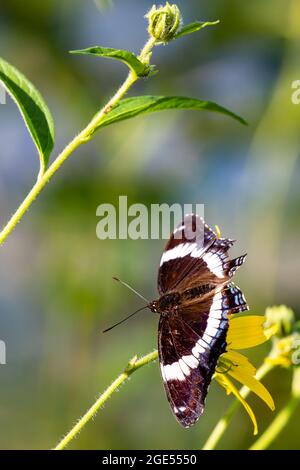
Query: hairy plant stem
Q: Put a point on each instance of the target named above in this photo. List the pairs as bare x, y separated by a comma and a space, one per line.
223, 424
276, 427
84, 136
132, 366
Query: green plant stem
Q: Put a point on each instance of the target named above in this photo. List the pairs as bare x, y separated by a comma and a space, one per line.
276, 426
223, 424
84, 136
132, 366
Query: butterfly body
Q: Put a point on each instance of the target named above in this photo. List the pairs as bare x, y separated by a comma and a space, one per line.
196, 300
169, 304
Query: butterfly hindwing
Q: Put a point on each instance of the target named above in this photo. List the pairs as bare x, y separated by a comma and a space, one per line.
190, 344
185, 385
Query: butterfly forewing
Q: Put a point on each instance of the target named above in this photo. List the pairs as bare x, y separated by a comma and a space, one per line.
203, 259
187, 243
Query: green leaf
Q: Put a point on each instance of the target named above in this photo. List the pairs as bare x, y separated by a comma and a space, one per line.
193, 27
129, 58
131, 107
33, 109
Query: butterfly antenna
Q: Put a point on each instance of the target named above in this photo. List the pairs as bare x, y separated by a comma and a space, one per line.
124, 319
131, 288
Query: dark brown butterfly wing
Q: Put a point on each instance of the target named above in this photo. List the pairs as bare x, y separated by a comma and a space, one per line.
176, 260
190, 344
198, 260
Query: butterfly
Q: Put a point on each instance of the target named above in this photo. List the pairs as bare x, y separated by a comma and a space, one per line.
196, 299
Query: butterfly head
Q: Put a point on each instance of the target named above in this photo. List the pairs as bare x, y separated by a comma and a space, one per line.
154, 306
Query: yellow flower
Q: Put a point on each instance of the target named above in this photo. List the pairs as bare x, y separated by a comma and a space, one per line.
283, 318
286, 342
244, 332
284, 350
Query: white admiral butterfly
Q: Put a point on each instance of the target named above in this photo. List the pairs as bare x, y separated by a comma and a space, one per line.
196, 299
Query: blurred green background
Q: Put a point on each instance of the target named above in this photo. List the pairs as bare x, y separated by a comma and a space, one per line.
56, 288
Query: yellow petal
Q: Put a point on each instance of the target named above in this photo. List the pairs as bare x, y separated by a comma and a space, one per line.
225, 382
246, 332
218, 231
236, 359
221, 379
244, 372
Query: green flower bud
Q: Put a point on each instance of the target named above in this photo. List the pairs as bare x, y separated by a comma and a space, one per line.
164, 22
281, 316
